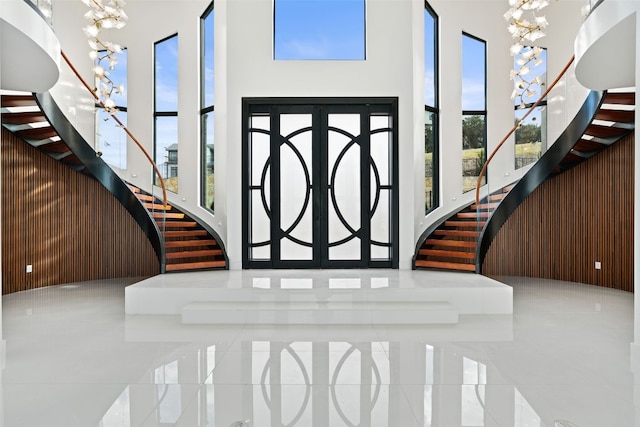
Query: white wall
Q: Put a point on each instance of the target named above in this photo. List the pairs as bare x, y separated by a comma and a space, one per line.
245, 68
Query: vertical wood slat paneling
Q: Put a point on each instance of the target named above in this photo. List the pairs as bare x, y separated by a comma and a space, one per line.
571, 221
64, 223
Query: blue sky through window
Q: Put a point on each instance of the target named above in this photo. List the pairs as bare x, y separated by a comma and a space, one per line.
208, 60
319, 29
166, 75
473, 74
429, 59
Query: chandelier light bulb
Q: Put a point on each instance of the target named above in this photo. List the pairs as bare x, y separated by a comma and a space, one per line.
104, 14
525, 26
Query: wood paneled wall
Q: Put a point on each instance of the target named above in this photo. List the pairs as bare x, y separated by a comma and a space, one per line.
571, 221
63, 223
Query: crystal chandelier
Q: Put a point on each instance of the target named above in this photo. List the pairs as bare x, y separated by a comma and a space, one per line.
525, 27
104, 15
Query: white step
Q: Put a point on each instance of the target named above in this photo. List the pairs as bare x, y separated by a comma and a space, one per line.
319, 313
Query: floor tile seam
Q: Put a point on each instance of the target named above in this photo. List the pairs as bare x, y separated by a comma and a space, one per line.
225, 353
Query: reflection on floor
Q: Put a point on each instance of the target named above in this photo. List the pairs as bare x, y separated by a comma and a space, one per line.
74, 358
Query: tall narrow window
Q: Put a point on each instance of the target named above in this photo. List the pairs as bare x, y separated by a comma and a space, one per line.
430, 108
166, 111
531, 136
112, 140
207, 184
474, 110
319, 29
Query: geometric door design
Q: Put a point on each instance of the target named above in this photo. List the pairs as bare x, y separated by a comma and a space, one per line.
320, 183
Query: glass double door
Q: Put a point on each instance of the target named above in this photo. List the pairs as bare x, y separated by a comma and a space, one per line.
319, 184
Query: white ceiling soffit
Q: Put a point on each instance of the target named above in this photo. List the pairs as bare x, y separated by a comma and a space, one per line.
29, 49
605, 47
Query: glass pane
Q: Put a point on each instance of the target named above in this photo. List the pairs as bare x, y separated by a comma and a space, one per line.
260, 222
429, 58
531, 136
319, 29
112, 140
473, 150
380, 231
296, 169
344, 194
166, 151
292, 251
260, 152
429, 160
473, 74
166, 75
208, 181
380, 150
207, 60
261, 253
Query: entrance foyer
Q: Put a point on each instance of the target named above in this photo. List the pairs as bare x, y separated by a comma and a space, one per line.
320, 183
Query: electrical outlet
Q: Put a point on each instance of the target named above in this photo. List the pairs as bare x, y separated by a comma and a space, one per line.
598, 265
29, 268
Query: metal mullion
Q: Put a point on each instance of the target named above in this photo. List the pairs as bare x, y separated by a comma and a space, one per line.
316, 184
323, 139
246, 184
276, 235
395, 196
365, 186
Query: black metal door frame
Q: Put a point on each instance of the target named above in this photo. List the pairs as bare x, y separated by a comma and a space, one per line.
320, 108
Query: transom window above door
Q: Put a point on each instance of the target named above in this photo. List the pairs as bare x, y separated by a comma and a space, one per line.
319, 30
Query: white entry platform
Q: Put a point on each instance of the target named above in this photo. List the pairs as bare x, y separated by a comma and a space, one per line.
329, 297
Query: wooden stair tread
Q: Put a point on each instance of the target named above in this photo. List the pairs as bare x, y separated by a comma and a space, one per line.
146, 198
38, 133
457, 233
626, 98
180, 224
194, 254
167, 215
186, 233
484, 206
195, 265
133, 188
189, 243
445, 253
156, 206
604, 131
471, 215
23, 118
462, 224
446, 265
17, 101
619, 116
450, 243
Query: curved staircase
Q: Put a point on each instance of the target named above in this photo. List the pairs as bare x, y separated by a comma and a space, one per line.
180, 240
459, 241
188, 244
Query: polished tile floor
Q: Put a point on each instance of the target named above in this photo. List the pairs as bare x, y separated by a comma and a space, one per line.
73, 358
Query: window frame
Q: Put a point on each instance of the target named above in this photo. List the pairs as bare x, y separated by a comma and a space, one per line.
206, 109
435, 110
482, 112
159, 114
